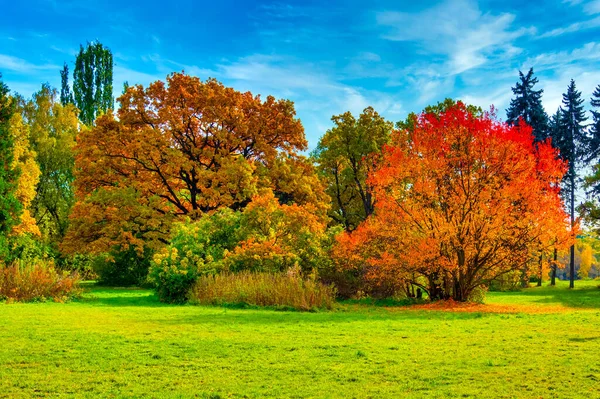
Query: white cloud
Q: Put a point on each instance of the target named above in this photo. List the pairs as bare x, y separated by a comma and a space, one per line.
458, 30
589, 52
318, 94
575, 27
592, 7
554, 88
19, 65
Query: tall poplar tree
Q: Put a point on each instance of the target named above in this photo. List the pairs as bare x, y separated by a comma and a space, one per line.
571, 140
66, 97
92, 82
527, 105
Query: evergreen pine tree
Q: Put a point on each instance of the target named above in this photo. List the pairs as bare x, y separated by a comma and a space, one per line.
527, 105
571, 140
10, 207
594, 138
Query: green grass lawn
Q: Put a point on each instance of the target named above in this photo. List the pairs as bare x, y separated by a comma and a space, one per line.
123, 343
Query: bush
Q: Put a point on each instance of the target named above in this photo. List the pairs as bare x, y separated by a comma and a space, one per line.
478, 294
123, 267
21, 281
263, 289
83, 264
196, 249
511, 281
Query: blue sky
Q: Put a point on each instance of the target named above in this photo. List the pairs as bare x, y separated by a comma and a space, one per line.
328, 57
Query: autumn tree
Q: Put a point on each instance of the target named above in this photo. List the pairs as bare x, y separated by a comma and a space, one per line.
52, 131
345, 155
10, 207
527, 106
461, 200
436, 109
92, 91
24, 160
184, 148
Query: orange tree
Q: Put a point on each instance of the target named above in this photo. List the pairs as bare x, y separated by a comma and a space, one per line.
184, 148
461, 200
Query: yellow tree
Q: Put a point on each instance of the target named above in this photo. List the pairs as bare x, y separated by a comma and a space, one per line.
24, 160
53, 128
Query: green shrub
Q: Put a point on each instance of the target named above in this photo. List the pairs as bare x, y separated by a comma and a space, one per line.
83, 264
29, 249
21, 281
263, 289
507, 282
123, 268
196, 249
478, 294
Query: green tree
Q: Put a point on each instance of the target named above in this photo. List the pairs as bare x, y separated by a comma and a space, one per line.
570, 138
345, 155
527, 105
66, 97
92, 82
10, 207
53, 128
594, 139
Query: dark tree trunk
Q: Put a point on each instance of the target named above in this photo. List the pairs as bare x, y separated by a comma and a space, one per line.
572, 263
541, 273
553, 281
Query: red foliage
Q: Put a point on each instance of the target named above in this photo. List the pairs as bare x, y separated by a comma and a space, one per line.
460, 201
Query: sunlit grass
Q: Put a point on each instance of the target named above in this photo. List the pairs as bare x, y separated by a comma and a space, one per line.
124, 343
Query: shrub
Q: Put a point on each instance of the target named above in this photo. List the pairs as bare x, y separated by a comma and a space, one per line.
196, 249
511, 281
478, 294
123, 267
263, 289
22, 281
83, 264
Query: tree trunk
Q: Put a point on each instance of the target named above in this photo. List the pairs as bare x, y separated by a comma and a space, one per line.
572, 263
553, 282
541, 273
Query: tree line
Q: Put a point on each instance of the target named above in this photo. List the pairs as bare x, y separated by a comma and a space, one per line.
447, 201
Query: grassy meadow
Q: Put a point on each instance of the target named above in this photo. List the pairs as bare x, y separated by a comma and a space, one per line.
122, 343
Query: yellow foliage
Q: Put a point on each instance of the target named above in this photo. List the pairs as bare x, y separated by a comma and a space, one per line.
24, 160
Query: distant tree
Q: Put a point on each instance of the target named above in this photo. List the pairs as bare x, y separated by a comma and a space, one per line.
10, 207
594, 131
66, 97
92, 82
527, 105
570, 138
345, 155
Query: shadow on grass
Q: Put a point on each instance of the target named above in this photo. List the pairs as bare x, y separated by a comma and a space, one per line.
586, 295
120, 297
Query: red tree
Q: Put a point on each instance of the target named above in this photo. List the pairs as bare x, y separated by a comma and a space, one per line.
461, 200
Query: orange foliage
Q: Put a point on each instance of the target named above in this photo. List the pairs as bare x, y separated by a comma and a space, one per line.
461, 200
37, 281
186, 147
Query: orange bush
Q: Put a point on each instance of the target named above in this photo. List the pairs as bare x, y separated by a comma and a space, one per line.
38, 281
